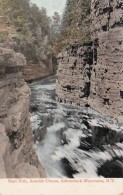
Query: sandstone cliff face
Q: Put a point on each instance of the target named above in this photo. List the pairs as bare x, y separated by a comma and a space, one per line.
92, 73
73, 84
32, 71
35, 68
107, 74
17, 154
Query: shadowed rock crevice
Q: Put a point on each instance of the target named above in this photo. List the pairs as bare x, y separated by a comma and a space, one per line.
112, 169
75, 69
68, 168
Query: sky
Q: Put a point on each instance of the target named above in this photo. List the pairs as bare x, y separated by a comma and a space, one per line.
51, 5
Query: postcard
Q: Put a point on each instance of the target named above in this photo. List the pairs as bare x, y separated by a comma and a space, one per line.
61, 97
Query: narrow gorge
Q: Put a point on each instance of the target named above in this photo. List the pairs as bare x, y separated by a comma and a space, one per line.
68, 125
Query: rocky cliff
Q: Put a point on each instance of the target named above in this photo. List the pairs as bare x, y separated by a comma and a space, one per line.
35, 67
17, 155
107, 74
26, 28
91, 73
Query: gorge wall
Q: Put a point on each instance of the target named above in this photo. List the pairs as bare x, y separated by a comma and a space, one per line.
26, 28
17, 155
92, 73
35, 67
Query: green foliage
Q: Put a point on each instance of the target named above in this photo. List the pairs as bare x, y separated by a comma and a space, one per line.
55, 31
76, 22
35, 28
3, 36
31, 23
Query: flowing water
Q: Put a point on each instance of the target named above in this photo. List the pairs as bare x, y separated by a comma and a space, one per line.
71, 141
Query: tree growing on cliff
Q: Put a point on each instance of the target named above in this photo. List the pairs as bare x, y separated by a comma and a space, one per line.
32, 26
76, 22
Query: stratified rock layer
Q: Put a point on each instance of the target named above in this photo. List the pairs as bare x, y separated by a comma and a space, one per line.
32, 72
107, 74
17, 154
92, 73
35, 68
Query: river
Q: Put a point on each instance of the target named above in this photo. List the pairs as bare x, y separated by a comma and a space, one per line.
72, 141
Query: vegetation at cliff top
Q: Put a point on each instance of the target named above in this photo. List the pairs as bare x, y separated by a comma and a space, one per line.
31, 24
75, 22
48, 35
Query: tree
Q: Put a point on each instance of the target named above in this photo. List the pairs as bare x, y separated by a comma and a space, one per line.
32, 27
56, 22
55, 31
76, 22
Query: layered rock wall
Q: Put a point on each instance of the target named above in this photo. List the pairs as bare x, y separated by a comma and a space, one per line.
17, 155
74, 72
32, 72
35, 68
107, 74
92, 73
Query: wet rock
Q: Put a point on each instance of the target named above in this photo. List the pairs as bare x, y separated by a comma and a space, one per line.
68, 168
112, 169
79, 140
33, 108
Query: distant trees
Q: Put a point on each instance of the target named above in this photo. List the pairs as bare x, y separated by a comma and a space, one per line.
21, 13
15, 11
47, 34
55, 24
55, 31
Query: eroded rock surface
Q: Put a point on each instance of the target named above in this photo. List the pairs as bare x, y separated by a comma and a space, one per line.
107, 74
17, 151
92, 73
35, 68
